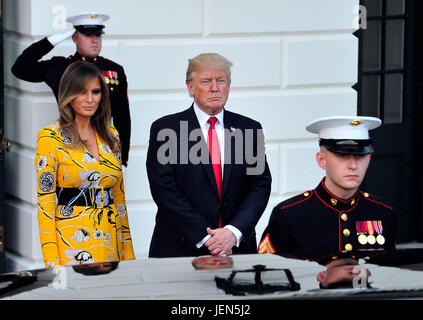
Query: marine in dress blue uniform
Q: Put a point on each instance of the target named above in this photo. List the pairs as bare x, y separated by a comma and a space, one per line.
316, 224
28, 67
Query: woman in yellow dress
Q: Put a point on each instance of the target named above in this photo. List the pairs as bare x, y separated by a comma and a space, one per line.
81, 200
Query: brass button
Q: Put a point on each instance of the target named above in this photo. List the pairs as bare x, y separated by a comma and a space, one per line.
348, 247
334, 201
365, 194
346, 232
306, 194
344, 217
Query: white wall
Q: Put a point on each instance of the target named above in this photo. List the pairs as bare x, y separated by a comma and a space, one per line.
294, 61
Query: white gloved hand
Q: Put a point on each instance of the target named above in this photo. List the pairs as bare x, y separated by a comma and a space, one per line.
55, 39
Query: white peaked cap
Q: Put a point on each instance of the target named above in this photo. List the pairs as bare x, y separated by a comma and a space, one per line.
88, 19
344, 127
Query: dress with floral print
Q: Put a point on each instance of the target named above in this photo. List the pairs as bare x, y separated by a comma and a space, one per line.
72, 235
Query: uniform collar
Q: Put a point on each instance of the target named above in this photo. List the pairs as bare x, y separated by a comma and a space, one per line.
78, 56
333, 201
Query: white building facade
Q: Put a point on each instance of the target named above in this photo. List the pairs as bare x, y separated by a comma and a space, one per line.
294, 61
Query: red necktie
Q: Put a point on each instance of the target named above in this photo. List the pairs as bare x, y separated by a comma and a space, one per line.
214, 149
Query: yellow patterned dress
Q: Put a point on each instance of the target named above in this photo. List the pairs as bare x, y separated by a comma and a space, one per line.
78, 234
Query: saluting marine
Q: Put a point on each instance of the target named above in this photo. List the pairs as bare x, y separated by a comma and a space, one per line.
336, 218
87, 36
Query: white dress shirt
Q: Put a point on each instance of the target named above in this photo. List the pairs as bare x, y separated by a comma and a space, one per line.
203, 118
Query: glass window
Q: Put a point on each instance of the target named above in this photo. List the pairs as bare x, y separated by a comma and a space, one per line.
373, 7
370, 96
394, 7
393, 98
372, 43
381, 60
394, 40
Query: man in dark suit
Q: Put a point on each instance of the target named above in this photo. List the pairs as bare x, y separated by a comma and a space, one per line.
207, 171
87, 36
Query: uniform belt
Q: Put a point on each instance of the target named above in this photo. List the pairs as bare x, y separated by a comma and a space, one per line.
85, 197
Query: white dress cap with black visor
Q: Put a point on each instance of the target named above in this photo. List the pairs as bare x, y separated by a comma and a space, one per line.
345, 134
89, 23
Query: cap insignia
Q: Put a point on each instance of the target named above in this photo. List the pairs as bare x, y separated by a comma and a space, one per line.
355, 123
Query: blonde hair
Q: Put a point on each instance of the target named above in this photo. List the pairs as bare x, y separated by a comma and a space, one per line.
208, 60
71, 85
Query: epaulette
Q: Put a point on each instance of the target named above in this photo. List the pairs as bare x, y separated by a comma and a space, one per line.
296, 199
374, 199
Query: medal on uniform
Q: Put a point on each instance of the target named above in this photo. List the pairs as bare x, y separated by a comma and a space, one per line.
111, 77
371, 239
361, 232
380, 238
367, 230
370, 229
362, 239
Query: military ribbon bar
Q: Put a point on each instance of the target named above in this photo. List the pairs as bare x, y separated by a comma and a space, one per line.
110, 74
362, 227
371, 227
379, 228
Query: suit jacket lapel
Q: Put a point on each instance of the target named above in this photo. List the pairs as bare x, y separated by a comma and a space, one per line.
229, 150
193, 124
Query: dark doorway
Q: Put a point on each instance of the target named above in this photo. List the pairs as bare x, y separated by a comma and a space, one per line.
2, 148
389, 87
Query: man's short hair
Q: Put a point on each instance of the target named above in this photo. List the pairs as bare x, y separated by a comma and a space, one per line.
210, 61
